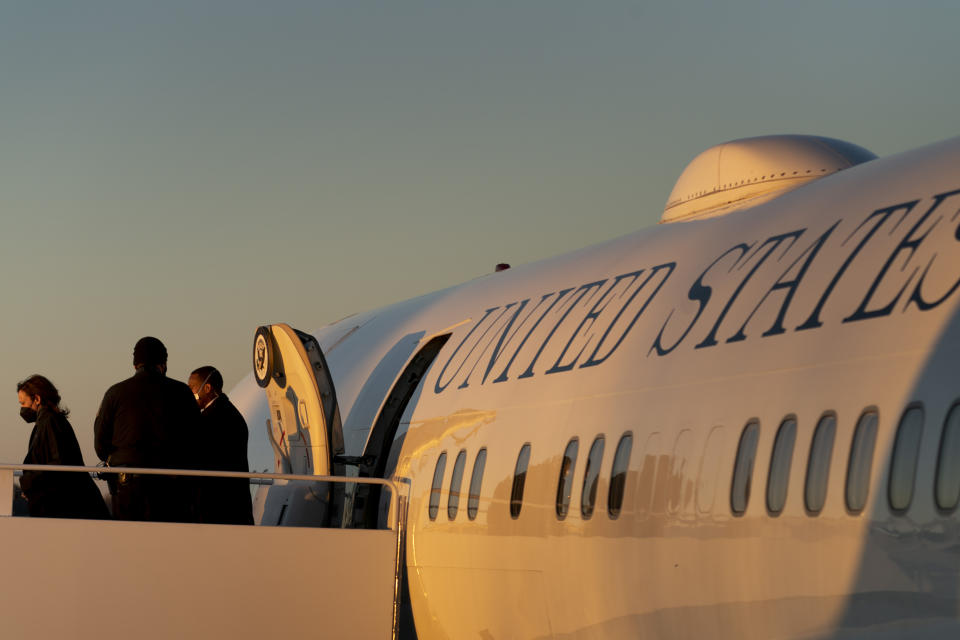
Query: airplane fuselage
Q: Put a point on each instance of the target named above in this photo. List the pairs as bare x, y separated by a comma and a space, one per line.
774, 385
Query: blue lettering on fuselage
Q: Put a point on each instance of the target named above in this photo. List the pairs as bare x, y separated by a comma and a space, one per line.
584, 325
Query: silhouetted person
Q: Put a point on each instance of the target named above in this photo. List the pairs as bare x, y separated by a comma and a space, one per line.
220, 445
145, 421
54, 494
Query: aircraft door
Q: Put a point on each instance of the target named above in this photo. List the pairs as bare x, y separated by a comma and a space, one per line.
304, 423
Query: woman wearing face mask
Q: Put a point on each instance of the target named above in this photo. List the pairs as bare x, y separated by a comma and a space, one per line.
54, 494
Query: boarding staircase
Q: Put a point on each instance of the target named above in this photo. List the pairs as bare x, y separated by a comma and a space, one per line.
330, 568
113, 579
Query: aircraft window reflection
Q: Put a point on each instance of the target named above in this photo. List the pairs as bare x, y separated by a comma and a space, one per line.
618, 476
437, 484
903, 467
565, 484
861, 459
743, 468
781, 460
519, 479
678, 489
818, 467
591, 476
456, 479
473, 499
710, 462
948, 463
647, 475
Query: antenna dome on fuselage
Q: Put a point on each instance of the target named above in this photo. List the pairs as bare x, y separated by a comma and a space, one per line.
744, 173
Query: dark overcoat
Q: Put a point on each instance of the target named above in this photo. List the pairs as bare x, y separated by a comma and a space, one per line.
222, 446
148, 420
58, 494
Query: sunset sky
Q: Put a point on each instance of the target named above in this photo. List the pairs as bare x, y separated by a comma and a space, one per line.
191, 170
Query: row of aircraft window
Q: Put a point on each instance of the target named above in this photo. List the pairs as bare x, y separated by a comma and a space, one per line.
903, 463
900, 488
591, 476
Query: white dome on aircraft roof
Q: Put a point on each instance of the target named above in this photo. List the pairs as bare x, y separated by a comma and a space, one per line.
747, 172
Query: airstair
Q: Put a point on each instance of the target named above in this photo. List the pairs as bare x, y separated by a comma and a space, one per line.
114, 579
313, 574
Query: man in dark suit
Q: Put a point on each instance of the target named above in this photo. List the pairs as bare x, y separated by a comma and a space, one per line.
220, 445
146, 421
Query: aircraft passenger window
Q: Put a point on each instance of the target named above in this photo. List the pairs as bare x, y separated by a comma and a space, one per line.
618, 476
743, 468
456, 479
948, 463
647, 475
519, 479
473, 499
678, 490
861, 459
565, 484
780, 462
588, 497
437, 484
818, 467
710, 462
903, 467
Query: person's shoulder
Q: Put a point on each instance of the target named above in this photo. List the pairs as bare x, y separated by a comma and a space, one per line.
46, 418
61, 421
222, 406
59, 417
50, 419
174, 383
181, 394
230, 408
118, 387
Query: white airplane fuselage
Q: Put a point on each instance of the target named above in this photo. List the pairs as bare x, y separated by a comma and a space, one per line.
835, 299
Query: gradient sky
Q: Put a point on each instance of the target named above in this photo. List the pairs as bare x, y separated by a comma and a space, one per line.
191, 170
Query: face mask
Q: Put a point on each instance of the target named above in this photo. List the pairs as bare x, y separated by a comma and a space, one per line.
28, 414
196, 396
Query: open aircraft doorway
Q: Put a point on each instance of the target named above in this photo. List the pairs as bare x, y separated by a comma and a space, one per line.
386, 437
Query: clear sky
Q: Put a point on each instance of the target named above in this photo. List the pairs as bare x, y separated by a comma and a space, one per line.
191, 170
